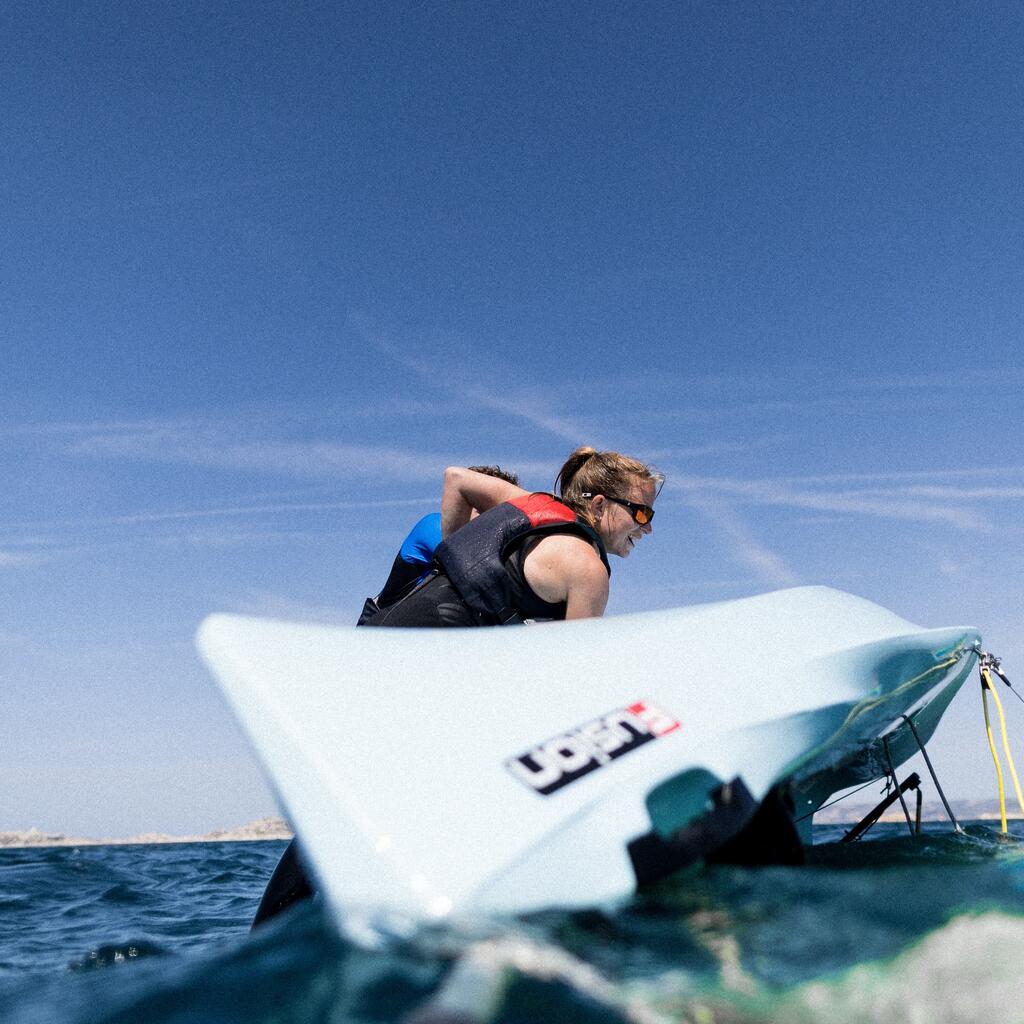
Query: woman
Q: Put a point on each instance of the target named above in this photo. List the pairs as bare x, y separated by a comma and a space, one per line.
531, 555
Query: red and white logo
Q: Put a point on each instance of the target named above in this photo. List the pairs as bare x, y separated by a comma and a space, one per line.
658, 721
569, 756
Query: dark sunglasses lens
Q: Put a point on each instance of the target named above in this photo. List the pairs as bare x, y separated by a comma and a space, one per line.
643, 515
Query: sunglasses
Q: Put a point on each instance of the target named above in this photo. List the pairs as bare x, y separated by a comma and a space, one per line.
642, 514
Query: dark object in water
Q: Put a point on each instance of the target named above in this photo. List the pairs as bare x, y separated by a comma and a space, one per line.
769, 838
912, 781
288, 885
736, 830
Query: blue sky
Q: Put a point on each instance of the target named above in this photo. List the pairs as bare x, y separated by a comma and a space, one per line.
267, 269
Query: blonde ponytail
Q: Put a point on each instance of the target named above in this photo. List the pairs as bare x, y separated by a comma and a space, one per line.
588, 471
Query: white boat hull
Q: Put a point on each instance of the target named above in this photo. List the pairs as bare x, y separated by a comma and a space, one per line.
413, 764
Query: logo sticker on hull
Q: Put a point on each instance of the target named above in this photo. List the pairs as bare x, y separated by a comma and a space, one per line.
568, 757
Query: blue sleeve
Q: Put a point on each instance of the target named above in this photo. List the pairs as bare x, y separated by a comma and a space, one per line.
422, 541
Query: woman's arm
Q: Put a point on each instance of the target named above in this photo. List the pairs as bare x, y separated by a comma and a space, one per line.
465, 491
567, 568
588, 592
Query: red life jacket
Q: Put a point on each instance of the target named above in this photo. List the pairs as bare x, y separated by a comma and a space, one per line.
473, 557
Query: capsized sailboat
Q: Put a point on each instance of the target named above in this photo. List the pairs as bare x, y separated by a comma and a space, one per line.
433, 772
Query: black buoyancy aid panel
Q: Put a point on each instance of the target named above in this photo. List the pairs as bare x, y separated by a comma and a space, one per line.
473, 556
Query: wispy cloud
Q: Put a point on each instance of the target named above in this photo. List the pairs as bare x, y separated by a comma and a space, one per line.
523, 405
942, 473
67, 537
17, 559
980, 378
788, 392
801, 382
720, 498
531, 409
962, 493
212, 447
254, 510
743, 546
266, 418
232, 538
266, 604
716, 448
924, 496
891, 505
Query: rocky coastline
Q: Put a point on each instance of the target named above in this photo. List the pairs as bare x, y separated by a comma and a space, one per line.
262, 828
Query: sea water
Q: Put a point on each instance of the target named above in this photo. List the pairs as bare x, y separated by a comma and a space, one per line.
892, 928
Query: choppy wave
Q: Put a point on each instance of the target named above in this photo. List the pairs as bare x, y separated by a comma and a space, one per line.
894, 929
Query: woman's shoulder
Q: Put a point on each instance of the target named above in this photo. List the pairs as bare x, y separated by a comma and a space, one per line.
570, 544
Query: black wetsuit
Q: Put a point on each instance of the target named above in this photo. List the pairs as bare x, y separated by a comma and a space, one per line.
478, 575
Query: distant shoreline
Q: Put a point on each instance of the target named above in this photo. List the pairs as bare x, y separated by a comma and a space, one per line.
277, 828
965, 810
254, 831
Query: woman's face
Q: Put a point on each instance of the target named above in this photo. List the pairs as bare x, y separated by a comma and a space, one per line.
615, 523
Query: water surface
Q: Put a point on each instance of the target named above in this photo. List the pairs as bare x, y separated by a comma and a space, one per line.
888, 929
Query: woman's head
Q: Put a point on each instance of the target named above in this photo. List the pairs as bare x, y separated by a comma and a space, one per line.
601, 487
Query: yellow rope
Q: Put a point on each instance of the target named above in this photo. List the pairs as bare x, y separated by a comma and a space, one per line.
869, 703
1006, 742
985, 688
